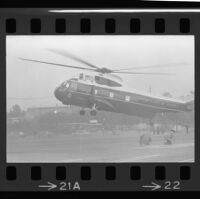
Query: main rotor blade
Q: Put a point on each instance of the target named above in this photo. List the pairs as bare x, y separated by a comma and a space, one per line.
153, 66
63, 65
141, 73
69, 55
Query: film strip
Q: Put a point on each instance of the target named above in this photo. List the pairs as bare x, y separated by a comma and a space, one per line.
86, 175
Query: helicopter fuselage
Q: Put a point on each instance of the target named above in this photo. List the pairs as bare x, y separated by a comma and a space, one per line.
114, 99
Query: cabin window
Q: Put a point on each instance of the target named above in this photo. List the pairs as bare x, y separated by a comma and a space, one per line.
127, 98
111, 94
119, 96
103, 92
73, 86
84, 88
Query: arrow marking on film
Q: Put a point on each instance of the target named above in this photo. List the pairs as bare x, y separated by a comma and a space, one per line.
153, 187
49, 186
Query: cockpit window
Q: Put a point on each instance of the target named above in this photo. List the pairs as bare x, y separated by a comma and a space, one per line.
65, 84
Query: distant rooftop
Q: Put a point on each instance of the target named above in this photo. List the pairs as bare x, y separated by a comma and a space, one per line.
51, 108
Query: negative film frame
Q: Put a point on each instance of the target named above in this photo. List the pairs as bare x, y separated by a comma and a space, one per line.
96, 176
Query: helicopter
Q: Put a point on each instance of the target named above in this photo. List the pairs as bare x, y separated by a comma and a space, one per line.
103, 90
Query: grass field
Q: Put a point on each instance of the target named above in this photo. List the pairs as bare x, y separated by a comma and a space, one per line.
98, 147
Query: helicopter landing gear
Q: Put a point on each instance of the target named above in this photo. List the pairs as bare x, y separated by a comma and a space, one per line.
82, 112
93, 112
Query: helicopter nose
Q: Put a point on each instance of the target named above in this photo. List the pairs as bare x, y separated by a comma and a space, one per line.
58, 93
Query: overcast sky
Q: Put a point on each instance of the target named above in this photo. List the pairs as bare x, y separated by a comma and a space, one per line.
30, 80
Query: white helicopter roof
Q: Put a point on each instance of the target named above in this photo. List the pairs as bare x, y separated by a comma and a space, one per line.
89, 79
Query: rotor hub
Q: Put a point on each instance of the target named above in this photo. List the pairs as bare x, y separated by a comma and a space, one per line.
104, 70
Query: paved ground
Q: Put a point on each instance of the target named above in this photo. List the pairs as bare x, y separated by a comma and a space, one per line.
98, 147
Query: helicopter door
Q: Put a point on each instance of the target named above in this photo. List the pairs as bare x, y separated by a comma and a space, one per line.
84, 88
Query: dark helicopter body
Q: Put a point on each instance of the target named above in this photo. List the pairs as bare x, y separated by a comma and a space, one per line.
85, 95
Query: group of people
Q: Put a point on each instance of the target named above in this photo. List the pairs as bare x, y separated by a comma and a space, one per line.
169, 138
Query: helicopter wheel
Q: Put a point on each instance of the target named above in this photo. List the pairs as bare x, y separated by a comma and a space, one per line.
82, 112
93, 112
